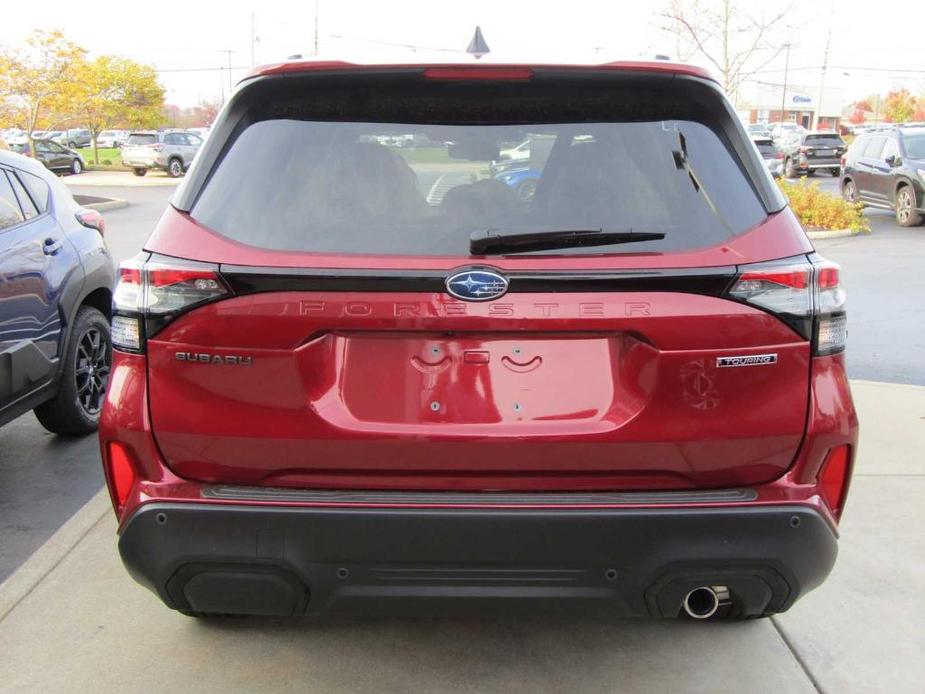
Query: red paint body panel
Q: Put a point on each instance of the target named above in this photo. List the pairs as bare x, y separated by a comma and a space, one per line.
831, 420
780, 236
342, 392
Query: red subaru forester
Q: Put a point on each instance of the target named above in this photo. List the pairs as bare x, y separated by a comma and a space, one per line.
478, 336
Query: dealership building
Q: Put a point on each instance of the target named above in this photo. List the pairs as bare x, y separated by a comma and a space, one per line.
800, 104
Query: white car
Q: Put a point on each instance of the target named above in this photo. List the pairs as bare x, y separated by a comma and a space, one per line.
112, 138
520, 152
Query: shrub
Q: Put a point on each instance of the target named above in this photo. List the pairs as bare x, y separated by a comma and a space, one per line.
818, 210
106, 162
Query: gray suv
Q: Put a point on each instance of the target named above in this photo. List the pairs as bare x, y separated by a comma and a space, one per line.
172, 151
73, 138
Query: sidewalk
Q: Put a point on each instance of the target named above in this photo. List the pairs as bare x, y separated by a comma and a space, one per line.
121, 178
71, 620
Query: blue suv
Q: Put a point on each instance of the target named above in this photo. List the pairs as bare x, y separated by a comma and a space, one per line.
56, 277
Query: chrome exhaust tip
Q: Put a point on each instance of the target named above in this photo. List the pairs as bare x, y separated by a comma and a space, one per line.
703, 602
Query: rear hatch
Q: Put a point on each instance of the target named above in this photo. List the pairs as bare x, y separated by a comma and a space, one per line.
823, 148
139, 145
333, 326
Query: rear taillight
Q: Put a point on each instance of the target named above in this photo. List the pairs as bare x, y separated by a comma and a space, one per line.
157, 147
842, 161
152, 291
834, 478
806, 295
779, 155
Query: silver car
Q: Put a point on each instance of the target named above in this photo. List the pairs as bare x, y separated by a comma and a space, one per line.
172, 151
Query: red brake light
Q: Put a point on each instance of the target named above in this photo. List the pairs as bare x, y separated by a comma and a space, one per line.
150, 293
828, 277
157, 148
505, 74
121, 473
797, 278
779, 155
834, 478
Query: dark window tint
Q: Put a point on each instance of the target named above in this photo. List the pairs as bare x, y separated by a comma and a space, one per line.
25, 200
766, 148
873, 148
419, 189
173, 139
142, 139
38, 189
915, 146
832, 140
10, 212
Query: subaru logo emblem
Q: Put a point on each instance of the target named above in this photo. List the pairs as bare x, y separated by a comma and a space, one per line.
476, 285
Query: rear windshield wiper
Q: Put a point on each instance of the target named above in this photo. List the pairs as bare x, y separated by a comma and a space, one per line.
492, 241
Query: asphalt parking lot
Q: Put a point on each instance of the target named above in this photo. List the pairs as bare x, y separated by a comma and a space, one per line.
854, 634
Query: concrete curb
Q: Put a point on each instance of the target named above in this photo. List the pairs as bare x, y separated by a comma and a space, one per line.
114, 204
47, 557
831, 234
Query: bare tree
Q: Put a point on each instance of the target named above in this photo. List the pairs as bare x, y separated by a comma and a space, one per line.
735, 42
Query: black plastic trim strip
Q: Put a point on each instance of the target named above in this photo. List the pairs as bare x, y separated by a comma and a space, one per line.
711, 281
340, 496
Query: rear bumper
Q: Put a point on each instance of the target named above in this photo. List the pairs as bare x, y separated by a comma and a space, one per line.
288, 560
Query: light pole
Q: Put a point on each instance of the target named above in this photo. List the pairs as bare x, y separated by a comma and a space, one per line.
783, 95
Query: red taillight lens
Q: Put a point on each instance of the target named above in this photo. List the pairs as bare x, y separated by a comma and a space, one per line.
121, 473
807, 296
150, 293
780, 289
157, 147
779, 155
842, 162
835, 477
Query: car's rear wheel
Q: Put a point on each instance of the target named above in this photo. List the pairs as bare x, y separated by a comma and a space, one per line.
906, 216
75, 409
175, 168
139, 172
849, 191
77, 167
72, 145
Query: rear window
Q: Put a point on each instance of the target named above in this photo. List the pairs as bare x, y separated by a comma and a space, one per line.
417, 174
766, 148
142, 139
832, 140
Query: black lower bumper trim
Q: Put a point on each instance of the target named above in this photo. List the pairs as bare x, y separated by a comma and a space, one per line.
297, 560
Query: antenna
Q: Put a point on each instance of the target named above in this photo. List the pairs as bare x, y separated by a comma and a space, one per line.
477, 46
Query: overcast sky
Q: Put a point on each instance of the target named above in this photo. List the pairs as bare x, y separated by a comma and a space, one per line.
186, 41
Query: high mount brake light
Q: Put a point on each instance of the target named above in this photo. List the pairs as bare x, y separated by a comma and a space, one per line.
151, 292
502, 74
806, 295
